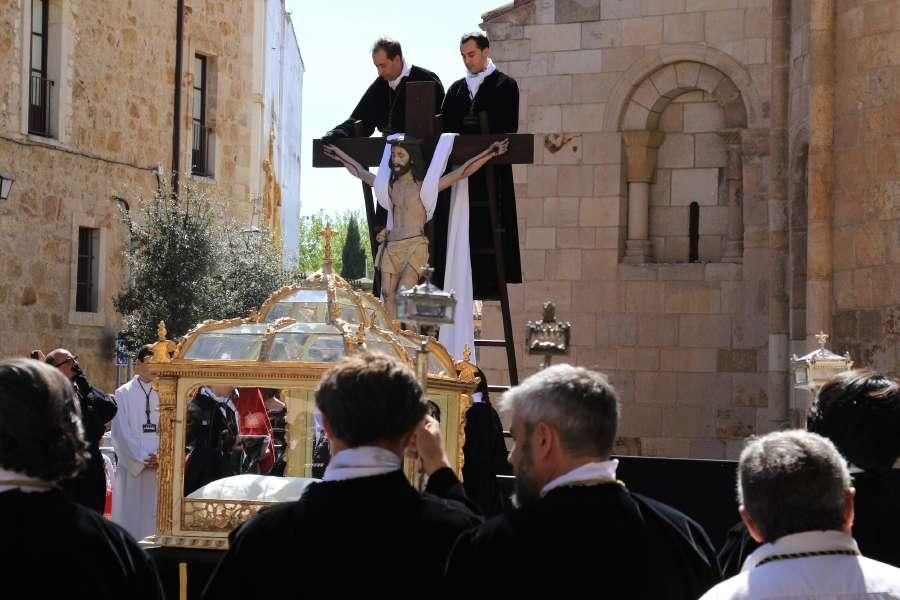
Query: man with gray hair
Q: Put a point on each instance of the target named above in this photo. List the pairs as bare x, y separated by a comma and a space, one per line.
796, 498
576, 524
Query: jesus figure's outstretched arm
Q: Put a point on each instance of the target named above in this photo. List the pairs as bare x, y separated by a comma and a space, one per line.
355, 169
473, 164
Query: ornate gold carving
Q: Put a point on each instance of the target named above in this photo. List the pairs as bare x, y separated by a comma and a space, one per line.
218, 515
327, 234
163, 349
465, 402
166, 387
467, 371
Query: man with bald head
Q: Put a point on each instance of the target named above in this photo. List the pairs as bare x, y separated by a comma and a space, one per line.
97, 410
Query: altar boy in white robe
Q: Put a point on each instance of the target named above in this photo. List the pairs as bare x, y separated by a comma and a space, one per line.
136, 439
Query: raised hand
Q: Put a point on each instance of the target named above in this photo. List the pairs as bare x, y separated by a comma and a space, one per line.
499, 148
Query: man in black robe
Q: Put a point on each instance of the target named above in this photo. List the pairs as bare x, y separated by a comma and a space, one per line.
384, 103
483, 89
364, 525
53, 547
859, 411
577, 527
485, 453
212, 437
97, 410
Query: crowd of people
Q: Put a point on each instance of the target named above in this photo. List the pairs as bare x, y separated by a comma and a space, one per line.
818, 507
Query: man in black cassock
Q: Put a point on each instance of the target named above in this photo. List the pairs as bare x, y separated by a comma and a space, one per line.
485, 453
483, 89
53, 547
364, 524
97, 410
577, 527
859, 411
212, 437
383, 106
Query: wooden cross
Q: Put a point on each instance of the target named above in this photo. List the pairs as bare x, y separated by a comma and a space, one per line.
421, 123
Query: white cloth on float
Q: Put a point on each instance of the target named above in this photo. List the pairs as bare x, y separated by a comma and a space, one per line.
263, 488
458, 270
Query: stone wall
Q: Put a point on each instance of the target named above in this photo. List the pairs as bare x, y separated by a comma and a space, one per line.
867, 182
684, 343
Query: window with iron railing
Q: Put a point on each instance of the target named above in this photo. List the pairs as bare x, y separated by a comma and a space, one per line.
201, 159
40, 88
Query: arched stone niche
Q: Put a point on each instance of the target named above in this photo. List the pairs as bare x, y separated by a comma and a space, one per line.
681, 124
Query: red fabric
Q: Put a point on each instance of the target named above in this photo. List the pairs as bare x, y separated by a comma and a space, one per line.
255, 421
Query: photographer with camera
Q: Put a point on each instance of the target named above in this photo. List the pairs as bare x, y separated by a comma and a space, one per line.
97, 410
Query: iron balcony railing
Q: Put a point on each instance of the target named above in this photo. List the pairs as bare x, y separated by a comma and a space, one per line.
40, 106
200, 155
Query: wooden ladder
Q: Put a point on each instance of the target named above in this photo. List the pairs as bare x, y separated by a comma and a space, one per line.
496, 249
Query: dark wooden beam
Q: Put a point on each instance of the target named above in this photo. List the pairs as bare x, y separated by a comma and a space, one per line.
368, 150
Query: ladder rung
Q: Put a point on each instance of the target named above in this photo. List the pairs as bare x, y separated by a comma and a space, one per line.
491, 343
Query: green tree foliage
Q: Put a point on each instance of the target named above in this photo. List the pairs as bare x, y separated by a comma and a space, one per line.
251, 270
311, 251
353, 257
187, 265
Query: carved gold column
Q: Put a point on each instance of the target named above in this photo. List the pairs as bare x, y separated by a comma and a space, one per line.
166, 387
734, 244
640, 153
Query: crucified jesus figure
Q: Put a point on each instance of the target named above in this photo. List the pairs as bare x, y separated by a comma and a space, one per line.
403, 250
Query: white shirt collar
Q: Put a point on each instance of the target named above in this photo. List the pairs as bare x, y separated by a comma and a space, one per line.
806, 541
7, 475
477, 397
404, 73
363, 461
474, 80
854, 469
587, 472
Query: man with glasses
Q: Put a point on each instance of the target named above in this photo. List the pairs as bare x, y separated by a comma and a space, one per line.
97, 410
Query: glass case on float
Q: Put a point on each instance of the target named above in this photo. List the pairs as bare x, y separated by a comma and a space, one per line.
238, 425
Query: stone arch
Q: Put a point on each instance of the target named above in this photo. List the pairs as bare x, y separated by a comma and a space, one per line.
629, 87
635, 109
653, 95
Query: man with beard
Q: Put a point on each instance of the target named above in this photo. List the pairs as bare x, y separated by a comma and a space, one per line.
576, 524
403, 249
484, 89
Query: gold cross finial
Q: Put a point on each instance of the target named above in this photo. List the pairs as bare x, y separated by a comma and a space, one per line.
327, 233
822, 338
161, 332
467, 353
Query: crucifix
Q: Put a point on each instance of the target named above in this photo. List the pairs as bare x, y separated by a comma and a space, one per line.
327, 234
423, 125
